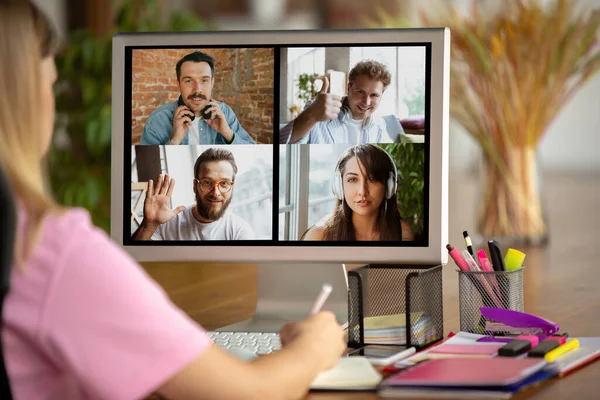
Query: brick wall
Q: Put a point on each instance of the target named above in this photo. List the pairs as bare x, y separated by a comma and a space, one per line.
243, 80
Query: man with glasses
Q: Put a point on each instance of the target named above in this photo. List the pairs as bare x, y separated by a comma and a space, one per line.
214, 177
331, 118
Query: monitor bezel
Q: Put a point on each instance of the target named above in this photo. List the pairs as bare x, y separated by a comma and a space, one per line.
437, 203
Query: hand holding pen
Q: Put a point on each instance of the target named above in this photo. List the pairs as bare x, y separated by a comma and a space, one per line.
321, 298
319, 334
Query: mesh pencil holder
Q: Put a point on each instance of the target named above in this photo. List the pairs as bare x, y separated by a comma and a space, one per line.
409, 294
497, 289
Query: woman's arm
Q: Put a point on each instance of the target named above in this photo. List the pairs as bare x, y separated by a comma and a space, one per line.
309, 347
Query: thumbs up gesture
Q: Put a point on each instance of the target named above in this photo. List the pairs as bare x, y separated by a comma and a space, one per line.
326, 105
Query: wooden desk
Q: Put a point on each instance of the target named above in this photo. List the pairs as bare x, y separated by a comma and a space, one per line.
561, 280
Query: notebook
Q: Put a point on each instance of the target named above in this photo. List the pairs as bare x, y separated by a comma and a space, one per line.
474, 372
351, 373
391, 329
473, 392
588, 351
488, 349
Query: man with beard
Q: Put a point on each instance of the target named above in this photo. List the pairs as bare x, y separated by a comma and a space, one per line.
187, 121
214, 177
331, 118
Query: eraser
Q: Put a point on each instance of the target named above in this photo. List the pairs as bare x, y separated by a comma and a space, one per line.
541, 349
533, 339
557, 339
514, 348
513, 259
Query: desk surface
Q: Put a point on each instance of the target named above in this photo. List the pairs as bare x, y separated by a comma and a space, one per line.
561, 280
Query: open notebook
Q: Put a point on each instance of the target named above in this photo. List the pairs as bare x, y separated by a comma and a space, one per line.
351, 373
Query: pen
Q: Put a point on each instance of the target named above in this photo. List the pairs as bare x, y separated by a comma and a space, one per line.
487, 267
463, 266
491, 295
393, 359
321, 298
469, 245
561, 350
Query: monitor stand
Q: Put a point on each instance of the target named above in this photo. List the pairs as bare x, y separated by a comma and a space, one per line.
286, 292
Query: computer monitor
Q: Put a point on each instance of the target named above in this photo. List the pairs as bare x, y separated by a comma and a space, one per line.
261, 81
359, 178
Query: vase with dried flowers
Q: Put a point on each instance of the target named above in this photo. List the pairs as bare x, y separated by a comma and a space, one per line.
512, 71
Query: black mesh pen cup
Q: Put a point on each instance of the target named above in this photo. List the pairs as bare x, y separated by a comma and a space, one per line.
496, 289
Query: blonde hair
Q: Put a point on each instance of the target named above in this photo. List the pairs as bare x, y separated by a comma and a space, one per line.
372, 69
26, 38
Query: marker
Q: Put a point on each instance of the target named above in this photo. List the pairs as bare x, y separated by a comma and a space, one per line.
491, 295
496, 254
513, 259
484, 262
561, 350
321, 298
460, 262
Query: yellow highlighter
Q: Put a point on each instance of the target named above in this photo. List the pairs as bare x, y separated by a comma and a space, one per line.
513, 259
561, 350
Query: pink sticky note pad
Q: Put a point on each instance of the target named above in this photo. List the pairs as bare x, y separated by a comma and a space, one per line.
486, 349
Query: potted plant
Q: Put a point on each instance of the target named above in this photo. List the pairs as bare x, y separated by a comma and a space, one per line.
512, 71
79, 158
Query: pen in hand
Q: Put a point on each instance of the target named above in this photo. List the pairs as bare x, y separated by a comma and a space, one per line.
321, 298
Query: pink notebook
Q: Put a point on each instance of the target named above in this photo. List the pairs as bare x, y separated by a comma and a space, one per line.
496, 371
448, 348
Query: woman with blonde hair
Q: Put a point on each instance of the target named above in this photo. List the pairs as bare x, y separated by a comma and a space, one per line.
82, 319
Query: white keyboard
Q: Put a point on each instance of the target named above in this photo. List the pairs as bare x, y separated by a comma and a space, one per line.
257, 343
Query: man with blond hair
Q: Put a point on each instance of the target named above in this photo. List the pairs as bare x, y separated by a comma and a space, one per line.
330, 118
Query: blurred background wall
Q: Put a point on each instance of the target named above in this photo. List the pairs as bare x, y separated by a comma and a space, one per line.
571, 143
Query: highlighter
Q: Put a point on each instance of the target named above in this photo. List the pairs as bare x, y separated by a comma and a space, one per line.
561, 350
513, 259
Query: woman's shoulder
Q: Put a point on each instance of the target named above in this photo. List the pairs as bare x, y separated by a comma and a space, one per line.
63, 230
68, 222
317, 232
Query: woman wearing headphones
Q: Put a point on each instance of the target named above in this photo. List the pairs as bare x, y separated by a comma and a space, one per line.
83, 320
365, 185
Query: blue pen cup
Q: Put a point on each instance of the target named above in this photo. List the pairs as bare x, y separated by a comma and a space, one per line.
497, 289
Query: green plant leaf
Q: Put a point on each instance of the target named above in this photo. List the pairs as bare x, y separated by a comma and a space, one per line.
80, 172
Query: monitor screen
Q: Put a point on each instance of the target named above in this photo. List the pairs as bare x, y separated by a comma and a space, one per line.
281, 146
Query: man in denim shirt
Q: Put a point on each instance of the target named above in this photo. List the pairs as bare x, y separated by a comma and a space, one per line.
333, 119
183, 122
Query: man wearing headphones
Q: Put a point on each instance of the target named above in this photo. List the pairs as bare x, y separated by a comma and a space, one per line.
365, 185
333, 119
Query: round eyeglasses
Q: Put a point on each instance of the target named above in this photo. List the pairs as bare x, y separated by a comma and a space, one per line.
207, 185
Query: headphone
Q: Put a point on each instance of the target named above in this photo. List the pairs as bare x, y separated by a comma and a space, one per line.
391, 186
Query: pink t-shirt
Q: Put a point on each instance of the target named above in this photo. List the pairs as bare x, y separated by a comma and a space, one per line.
84, 321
